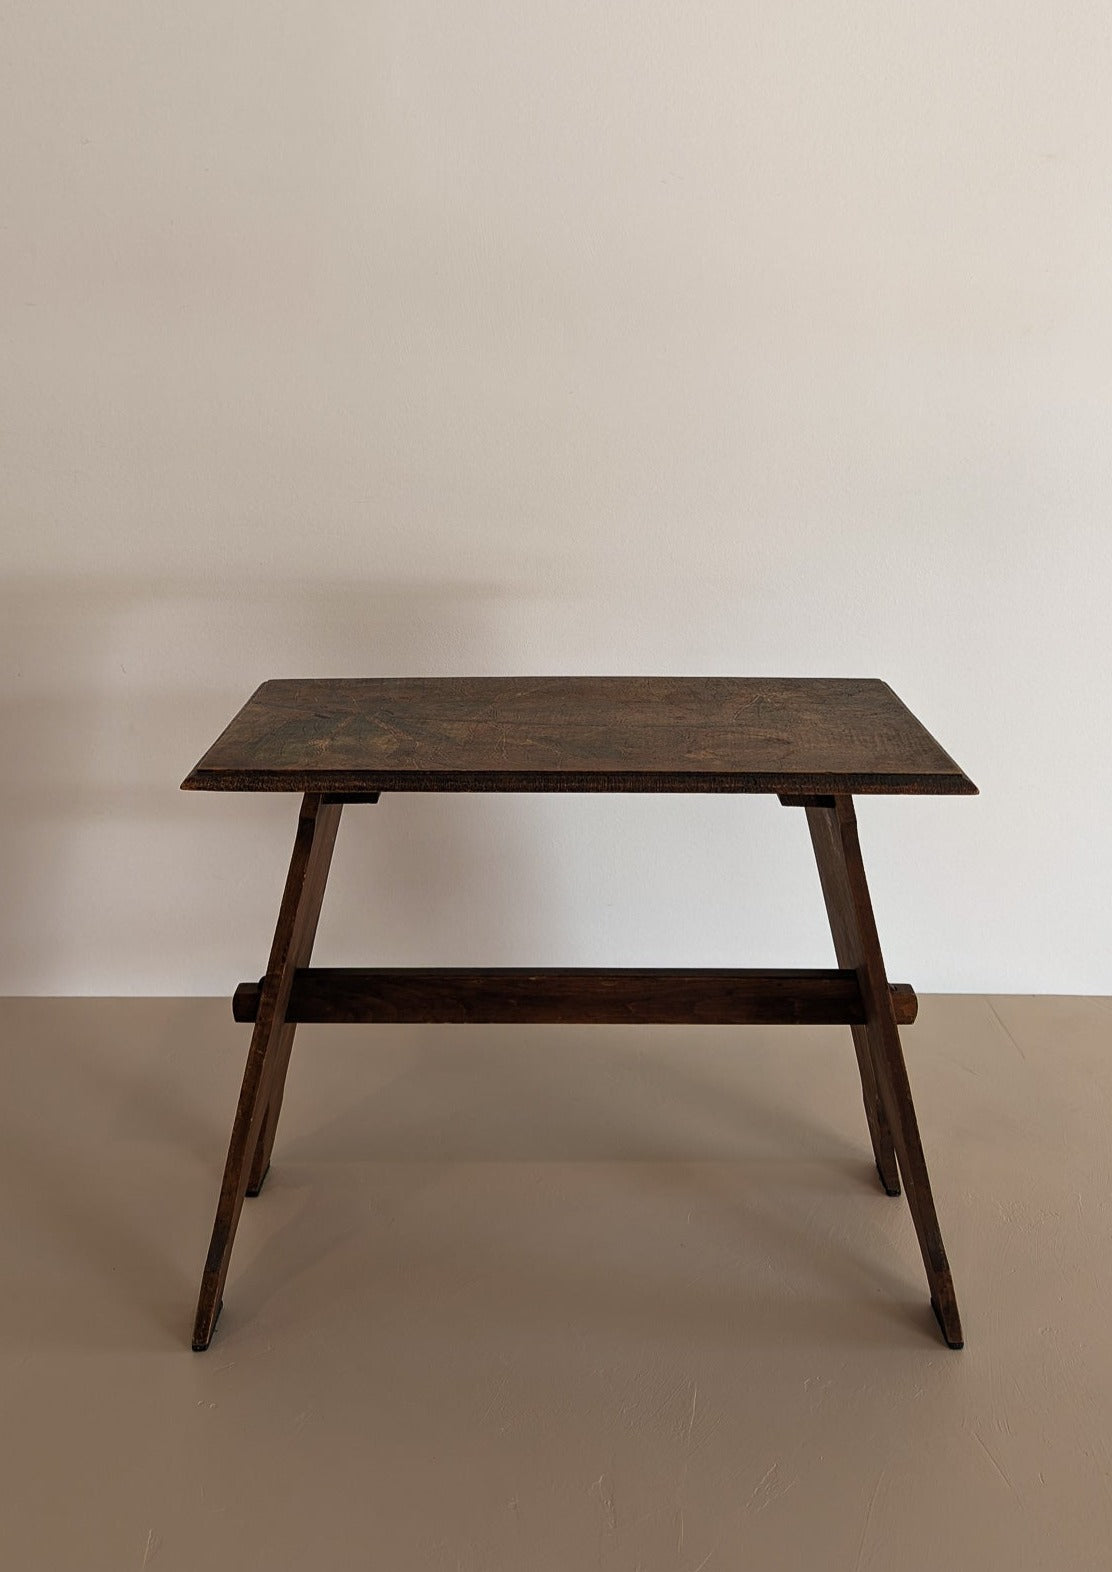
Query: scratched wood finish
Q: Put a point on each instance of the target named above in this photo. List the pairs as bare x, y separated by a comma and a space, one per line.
356, 736
813, 742
838, 854
580, 995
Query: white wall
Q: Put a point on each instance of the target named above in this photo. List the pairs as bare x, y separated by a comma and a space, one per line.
405, 337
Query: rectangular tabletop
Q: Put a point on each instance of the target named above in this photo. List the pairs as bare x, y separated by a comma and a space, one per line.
792, 735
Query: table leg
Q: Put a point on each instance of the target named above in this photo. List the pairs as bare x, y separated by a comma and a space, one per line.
843, 930
885, 1084
261, 1093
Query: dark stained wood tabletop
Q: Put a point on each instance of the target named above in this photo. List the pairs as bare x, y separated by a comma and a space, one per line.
615, 734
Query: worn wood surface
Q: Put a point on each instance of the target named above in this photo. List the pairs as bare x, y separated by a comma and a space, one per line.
885, 1083
260, 1096
565, 995
799, 736
814, 742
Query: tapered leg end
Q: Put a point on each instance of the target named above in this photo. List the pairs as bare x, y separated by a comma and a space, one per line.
204, 1327
950, 1324
890, 1181
255, 1187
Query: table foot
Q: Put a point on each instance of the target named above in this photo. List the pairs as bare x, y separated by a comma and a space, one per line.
202, 1333
950, 1324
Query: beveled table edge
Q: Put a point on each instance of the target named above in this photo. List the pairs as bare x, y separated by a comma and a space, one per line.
362, 782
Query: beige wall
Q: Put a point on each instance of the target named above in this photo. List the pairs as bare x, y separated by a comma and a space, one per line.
404, 337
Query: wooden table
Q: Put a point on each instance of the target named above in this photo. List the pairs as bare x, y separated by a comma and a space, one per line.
815, 743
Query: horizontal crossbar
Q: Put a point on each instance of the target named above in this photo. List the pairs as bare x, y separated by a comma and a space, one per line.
566, 995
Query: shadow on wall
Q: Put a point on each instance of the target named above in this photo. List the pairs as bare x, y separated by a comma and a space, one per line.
110, 694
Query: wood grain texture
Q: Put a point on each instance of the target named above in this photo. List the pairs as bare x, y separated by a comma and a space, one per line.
260, 1095
798, 736
880, 1056
565, 995
813, 742
843, 931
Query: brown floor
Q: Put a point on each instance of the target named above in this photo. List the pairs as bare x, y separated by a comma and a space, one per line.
536, 1298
